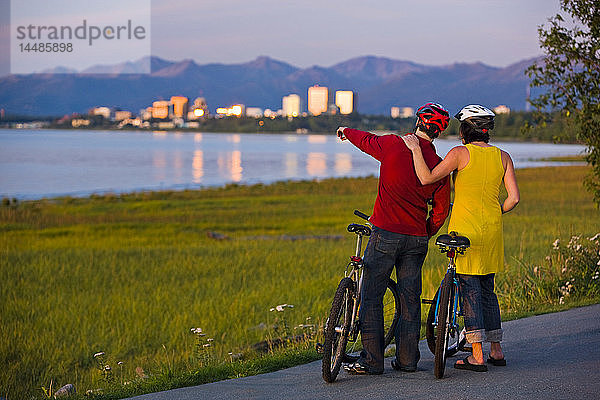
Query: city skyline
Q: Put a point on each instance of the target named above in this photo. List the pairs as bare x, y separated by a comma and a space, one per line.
180, 112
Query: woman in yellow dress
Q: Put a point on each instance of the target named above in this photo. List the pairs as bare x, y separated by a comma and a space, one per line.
476, 214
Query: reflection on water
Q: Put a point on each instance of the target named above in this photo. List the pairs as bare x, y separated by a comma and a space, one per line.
317, 139
230, 166
36, 164
343, 164
178, 164
198, 166
291, 165
236, 166
159, 162
234, 138
316, 164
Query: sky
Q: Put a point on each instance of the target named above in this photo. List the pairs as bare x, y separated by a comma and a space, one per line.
326, 32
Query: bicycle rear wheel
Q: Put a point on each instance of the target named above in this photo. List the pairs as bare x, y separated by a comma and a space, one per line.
391, 311
337, 329
457, 339
391, 316
445, 310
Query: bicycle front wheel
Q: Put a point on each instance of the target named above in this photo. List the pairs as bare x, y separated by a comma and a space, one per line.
445, 310
337, 329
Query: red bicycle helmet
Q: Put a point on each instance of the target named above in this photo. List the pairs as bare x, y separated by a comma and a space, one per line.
433, 119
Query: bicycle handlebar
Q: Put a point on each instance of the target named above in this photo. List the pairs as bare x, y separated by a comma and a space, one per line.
362, 215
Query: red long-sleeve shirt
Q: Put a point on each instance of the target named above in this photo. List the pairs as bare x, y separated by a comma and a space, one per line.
401, 204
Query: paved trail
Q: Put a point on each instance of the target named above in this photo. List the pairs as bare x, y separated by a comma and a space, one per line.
552, 356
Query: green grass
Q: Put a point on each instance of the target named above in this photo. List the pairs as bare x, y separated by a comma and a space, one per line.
131, 274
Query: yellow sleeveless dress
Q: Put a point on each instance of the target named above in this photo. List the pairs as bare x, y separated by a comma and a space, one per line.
476, 213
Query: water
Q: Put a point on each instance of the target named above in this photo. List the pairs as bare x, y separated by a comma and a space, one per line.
46, 163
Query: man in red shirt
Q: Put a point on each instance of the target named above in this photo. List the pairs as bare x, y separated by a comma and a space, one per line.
402, 228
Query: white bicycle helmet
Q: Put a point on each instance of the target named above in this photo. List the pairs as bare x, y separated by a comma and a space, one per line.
479, 117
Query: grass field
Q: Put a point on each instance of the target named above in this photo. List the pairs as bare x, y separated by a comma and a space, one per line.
130, 275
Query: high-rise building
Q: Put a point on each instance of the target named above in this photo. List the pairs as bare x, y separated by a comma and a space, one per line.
236, 110
255, 112
402, 112
160, 109
502, 109
291, 105
146, 113
122, 115
407, 112
180, 106
199, 109
103, 111
344, 99
317, 99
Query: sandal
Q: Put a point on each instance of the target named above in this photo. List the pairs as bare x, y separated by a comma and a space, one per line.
471, 367
498, 362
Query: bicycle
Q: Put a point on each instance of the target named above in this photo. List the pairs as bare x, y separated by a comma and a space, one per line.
342, 325
444, 330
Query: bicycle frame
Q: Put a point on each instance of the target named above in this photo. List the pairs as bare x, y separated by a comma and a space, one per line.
356, 274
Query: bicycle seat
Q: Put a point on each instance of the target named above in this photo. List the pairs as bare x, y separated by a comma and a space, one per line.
359, 229
453, 241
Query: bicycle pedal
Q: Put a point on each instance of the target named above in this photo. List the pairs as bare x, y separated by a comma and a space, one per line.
320, 349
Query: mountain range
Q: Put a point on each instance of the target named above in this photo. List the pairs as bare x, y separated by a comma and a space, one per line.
379, 82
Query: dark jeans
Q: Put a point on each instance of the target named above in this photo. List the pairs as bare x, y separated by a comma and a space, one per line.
384, 250
480, 308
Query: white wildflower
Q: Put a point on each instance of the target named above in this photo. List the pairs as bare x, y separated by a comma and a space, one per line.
573, 241
556, 244
281, 307
563, 270
100, 354
120, 363
595, 237
578, 247
563, 290
561, 300
536, 269
568, 260
598, 262
196, 331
